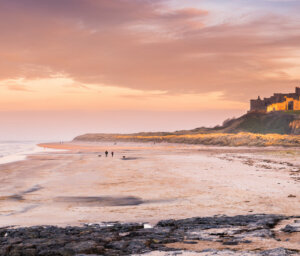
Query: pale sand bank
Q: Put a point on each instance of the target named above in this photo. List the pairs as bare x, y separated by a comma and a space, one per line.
162, 181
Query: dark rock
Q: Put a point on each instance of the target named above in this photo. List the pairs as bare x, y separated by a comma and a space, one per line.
190, 242
231, 243
118, 245
136, 246
246, 241
131, 238
290, 229
277, 252
29, 252
82, 247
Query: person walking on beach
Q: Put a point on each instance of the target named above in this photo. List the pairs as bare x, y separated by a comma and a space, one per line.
106, 153
112, 154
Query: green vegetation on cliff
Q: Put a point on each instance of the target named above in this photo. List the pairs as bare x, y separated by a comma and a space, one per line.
251, 129
256, 122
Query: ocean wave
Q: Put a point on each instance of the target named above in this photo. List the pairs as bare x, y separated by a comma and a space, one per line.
12, 151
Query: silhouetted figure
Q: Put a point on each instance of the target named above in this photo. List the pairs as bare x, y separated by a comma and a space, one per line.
112, 154
106, 153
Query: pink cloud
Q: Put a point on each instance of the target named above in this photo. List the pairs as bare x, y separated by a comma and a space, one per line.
93, 42
20, 88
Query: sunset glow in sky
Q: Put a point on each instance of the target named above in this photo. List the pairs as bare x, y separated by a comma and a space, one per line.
75, 66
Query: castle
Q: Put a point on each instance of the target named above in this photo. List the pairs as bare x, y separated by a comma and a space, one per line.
277, 102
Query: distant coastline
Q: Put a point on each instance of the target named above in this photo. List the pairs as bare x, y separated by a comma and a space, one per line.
252, 129
216, 139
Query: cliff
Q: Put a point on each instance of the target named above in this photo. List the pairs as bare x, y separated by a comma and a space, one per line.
264, 123
254, 129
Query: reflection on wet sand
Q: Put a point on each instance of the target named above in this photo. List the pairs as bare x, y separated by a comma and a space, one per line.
100, 201
20, 195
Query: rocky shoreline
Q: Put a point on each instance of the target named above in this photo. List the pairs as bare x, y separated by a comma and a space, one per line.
219, 235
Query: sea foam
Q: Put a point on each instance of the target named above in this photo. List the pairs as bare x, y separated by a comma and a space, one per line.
12, 151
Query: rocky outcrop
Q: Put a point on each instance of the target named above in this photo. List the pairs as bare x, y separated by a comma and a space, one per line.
295, 127
239, 235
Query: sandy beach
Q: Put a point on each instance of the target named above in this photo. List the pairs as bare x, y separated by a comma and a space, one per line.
153, 182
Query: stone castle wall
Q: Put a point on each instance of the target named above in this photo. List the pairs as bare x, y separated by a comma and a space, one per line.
277, 102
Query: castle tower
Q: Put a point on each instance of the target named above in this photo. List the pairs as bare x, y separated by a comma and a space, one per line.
277, 102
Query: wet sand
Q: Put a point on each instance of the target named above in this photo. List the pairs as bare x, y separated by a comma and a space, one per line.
155, 182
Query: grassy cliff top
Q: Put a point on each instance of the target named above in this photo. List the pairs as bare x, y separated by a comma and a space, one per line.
254, 129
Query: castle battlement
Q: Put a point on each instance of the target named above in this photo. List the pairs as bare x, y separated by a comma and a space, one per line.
277, 102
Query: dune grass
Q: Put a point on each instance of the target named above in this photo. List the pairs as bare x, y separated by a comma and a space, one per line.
222, 139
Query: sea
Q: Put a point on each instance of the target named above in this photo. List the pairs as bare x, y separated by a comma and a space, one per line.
12, 151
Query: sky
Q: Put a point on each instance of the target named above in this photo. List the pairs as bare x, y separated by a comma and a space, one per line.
69, 67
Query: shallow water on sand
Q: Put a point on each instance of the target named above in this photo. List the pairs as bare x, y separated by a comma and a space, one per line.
13, 151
